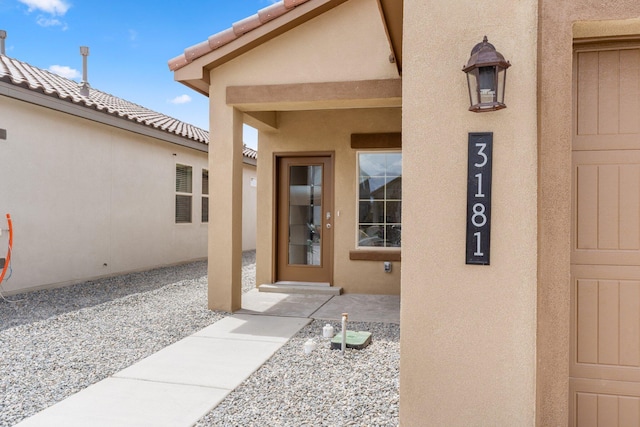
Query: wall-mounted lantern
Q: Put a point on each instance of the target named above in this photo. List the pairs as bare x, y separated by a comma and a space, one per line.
486, 75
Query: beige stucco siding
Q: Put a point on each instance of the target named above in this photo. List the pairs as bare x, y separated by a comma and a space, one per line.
89, 200
480, 345
468, 332
329, 132
346, 43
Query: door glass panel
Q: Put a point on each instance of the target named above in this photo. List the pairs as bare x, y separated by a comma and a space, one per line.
305, 215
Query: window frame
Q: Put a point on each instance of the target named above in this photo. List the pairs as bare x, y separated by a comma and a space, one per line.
205, 197
384, 200
183, 194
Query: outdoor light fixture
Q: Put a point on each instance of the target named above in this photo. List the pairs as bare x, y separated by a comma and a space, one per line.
486, 74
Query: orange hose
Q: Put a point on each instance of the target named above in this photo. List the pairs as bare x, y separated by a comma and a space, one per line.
8, 259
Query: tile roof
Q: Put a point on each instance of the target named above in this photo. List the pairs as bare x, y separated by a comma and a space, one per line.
36, 79
237, 30
249, 153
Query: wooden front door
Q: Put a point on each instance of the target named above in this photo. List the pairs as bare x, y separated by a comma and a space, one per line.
305, 219
605, 257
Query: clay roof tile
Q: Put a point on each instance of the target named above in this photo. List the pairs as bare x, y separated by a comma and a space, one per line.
36, 79
290, 4
272, 12
246, 25
222, 38
237, 30
249, 152
178, 62
197, 51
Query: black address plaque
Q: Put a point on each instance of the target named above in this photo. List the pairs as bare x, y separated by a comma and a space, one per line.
479, 197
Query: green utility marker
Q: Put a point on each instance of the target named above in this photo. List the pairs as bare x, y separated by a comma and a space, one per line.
356, 340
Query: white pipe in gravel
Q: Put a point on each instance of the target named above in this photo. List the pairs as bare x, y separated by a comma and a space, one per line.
344, 332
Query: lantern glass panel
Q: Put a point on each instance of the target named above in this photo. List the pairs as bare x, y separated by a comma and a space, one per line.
487, 84
474, 90
502, 76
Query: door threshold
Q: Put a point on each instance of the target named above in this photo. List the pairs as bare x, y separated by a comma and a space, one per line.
296, 283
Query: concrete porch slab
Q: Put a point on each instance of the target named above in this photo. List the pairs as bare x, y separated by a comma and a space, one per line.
129, 403
277, 304
361, 308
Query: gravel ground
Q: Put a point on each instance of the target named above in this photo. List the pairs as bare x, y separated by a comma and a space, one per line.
320, 389
54, 343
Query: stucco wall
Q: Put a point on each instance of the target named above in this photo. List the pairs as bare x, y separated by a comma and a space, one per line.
349, 44
343, 41
327, 131
468, 344
89, 200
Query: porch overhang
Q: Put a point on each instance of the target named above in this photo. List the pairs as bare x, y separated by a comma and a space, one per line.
196, 73
193, 67
316, 96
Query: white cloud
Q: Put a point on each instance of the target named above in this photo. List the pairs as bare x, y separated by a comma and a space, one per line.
133, 35
53, 7
51, 22
64, 71
182, 99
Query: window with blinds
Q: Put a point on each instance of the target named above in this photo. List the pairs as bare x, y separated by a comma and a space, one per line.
205, 195
184, 190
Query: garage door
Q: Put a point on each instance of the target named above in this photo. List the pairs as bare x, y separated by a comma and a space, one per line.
605, 258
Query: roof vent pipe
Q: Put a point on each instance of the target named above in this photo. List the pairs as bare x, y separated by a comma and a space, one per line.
3, 35
84, 86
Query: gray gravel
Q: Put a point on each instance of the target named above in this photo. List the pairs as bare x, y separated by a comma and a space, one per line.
320, 389
55, 343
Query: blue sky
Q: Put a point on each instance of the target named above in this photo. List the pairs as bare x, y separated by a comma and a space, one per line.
130, 44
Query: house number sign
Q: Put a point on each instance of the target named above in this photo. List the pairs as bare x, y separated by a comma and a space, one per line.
479, 198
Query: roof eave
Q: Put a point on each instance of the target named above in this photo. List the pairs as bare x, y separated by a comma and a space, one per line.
393, 12
195, 74
67, 106
199, 85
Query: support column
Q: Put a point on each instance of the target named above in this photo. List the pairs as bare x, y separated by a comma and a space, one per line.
225, 207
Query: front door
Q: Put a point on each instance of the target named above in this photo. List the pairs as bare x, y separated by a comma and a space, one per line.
305, 219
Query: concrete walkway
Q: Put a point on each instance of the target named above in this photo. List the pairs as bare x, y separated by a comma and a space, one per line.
184, 381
